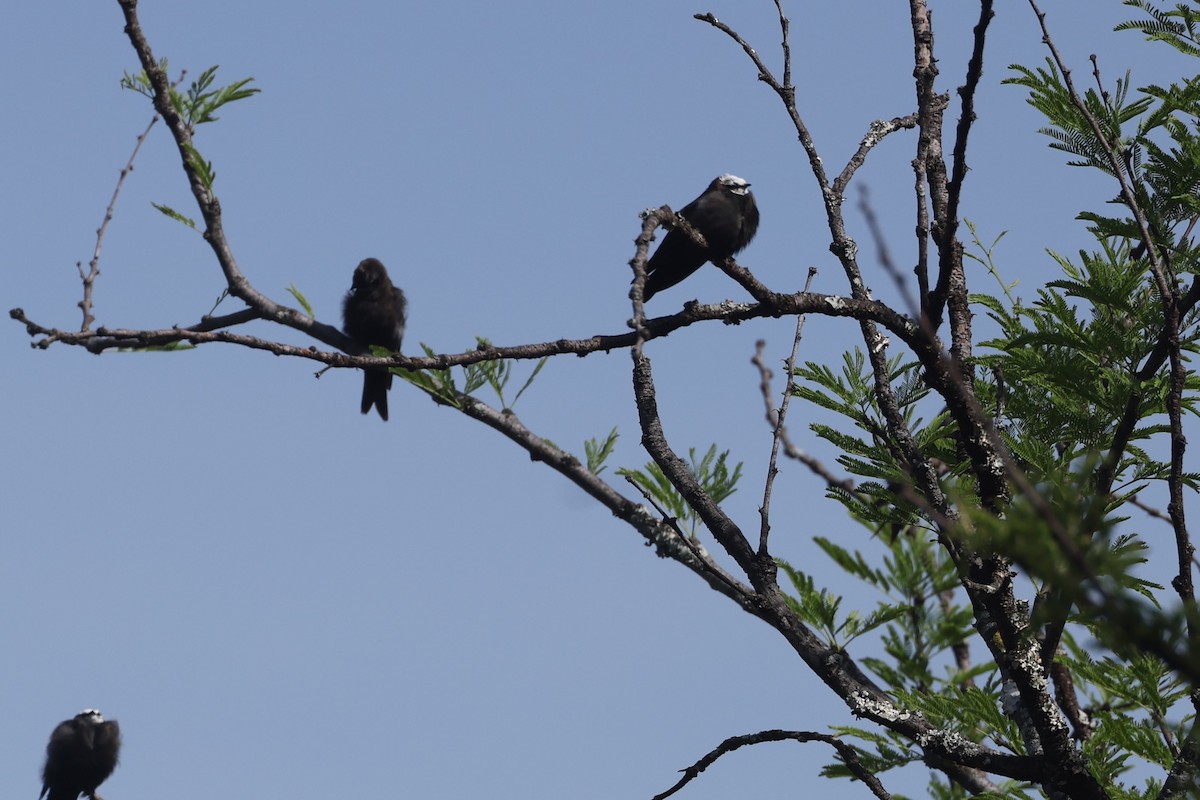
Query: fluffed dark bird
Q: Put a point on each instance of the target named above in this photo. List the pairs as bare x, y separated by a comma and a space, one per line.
725, 215
82, 753
373, 314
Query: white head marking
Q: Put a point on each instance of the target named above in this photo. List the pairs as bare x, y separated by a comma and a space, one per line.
734, 183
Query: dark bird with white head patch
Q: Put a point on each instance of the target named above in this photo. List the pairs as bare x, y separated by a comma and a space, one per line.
82, 753
373, 313
725, 215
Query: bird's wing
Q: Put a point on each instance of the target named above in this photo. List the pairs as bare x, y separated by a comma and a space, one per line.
62, 737
107, 733
694, 208
750, 223
86, 735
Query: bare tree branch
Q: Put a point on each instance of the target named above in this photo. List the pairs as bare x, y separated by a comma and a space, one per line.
847, 753
772, 415
781, 418
775, 305
89, 278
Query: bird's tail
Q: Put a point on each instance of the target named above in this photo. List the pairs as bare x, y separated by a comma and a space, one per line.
376, 383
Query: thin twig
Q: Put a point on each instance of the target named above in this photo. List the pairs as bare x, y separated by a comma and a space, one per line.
781, 418
789, 448
884, 254
966, 94
710, 569
89, 278
1136, 502
847, 753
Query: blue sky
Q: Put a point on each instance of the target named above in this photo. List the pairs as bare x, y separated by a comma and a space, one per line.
279, 597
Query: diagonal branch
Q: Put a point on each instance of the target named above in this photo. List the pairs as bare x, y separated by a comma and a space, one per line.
789, 447
761, 572
668, 542
206, 200
1128, 196
89, 278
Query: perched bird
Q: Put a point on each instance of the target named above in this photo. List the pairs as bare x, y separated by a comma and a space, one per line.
725, 215
373, 314
82, 753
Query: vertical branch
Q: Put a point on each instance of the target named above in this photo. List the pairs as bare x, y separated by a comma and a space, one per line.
650, 222
930, 317
950, 249
927, 165
1185, 551
966, 94
772, 468
784, 24
930, 168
